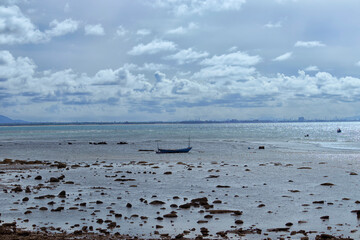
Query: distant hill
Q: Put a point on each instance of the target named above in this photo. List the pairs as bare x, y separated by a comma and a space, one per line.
5, 120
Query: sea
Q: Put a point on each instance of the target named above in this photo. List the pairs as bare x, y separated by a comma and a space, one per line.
209, 141
273, 172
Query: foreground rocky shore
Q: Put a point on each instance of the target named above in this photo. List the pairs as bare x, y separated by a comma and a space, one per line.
178, 200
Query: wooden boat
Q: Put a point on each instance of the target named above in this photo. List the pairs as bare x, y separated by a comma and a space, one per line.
180, 150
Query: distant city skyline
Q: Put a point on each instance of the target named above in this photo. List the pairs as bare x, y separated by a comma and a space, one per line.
158, 60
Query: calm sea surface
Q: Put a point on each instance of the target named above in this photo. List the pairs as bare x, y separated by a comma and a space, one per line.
52, 142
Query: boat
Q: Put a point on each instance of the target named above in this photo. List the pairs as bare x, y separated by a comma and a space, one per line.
338, 130
180, 150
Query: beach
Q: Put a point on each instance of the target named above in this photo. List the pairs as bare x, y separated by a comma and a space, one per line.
248, 191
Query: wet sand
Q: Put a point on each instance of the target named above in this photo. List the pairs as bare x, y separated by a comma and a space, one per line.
260, 195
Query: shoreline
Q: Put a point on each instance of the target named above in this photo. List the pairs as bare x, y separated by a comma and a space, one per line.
152, 200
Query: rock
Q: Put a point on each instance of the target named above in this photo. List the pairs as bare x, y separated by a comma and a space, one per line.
38, 177
128, 205
62, 194
170, 215
157, 202
278, 230
325, 217
17, 189
327, 184
59, 209
25, 199
222, 186
54, 179
43, 209
167, 173
202, 221
261, 147
239, 222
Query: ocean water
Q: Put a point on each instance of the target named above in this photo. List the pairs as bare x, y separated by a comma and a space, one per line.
208, 140
285, 177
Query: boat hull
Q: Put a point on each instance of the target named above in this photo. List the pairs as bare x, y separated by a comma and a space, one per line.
182, 150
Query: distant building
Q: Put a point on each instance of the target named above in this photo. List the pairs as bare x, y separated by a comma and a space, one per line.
301, 119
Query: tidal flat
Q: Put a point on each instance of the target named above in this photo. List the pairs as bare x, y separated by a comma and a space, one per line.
258, 194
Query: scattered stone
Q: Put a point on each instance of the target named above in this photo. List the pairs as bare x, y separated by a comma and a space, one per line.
54, 179
38, 177
62, 194
327, 184
157, 202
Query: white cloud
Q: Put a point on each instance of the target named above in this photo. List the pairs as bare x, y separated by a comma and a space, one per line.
312, 69
183, 30
235, 58
187, 56
233, 49
283, 57
96, 30
121, 31
143, 32
183, 7
15, 28
273, 25
62, 28
223, 71
153, 47
309, 44
358, 64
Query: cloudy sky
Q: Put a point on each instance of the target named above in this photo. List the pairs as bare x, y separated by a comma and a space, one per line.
136, 60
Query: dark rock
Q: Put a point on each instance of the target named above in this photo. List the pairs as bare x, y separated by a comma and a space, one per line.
157, 202
62, 194
54, 179
128, 205
38, 177
327, 184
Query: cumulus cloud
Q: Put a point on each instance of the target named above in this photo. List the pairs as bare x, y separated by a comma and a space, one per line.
62, 28
223, 71
311, 69
21, 83
153, 47
309, 44
183, 30
187, 56
283, 57
16, 28
121, 31
183, 7
95, 30
235, 58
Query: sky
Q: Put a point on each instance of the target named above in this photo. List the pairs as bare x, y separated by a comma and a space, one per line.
172, 60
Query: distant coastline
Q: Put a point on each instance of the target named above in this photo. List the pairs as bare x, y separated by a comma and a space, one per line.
169, 122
